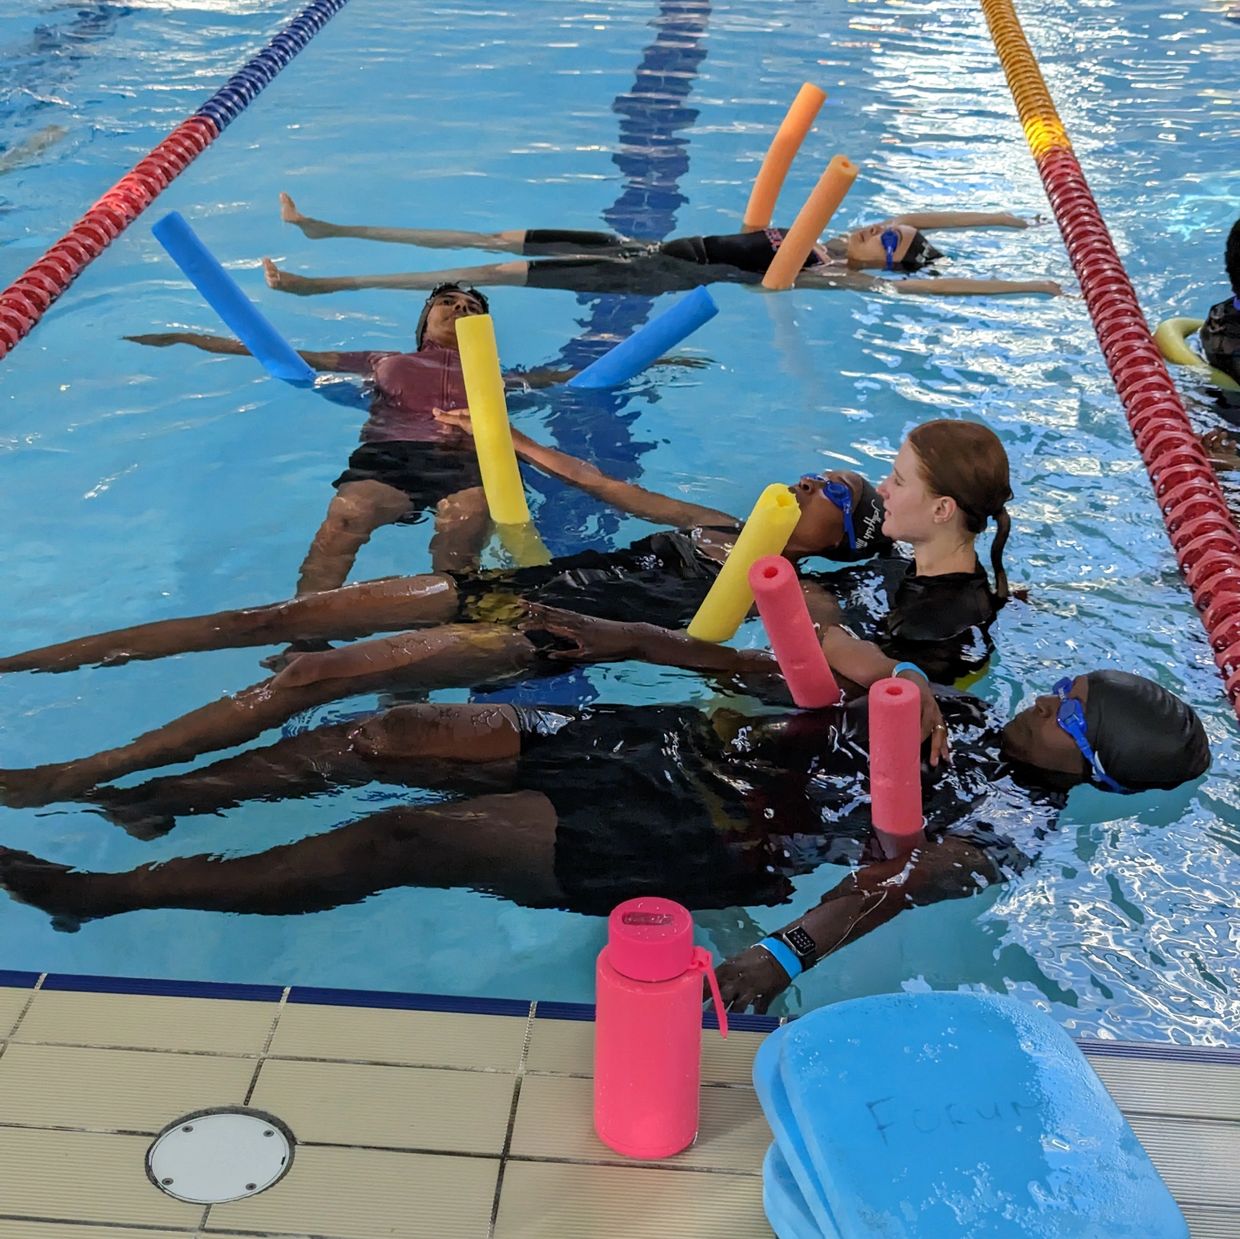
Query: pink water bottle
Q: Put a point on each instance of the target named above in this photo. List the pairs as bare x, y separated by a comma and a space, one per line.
648, 1029
895, 765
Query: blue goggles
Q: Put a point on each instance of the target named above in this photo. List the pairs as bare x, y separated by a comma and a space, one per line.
839, 494
891, 242
1071, 718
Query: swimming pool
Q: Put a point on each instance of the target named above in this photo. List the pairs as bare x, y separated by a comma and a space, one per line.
142, 484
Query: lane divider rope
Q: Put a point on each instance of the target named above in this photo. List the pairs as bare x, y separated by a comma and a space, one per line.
1202, 529
27, 299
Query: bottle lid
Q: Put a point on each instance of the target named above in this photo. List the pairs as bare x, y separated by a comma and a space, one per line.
650, 939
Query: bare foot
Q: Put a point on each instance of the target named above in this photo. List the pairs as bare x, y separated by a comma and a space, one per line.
277, 662
286, 281
42, 884
313, 228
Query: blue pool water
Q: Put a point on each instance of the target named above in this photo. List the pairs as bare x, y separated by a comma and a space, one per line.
139, 484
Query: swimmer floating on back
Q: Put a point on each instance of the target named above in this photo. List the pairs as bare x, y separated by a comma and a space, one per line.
947, 480
601, 262
718, 812
408, 462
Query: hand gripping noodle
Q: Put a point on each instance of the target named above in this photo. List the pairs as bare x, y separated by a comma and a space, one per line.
222, 293
814, 216
766, 532
633, 355
783, 149
794, 640
1171, 339
895, 764
484, 388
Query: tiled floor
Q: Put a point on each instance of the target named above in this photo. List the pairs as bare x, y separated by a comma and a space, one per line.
435, 1123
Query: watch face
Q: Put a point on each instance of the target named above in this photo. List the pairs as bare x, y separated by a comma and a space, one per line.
800, 942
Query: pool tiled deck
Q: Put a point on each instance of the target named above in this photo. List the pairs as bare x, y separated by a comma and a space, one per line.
445, 1118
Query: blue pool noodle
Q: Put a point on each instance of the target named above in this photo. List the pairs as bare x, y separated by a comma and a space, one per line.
223, 294
633, 355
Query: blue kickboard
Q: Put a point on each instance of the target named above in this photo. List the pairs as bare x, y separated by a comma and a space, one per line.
790, 1217
795, 1156
940, 1115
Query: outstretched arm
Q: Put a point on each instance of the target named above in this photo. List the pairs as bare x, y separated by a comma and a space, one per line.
223, 344
647, 504
963, 219
934, 287
946, 287
947, 869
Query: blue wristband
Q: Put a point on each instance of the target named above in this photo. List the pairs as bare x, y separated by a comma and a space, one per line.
784, 955
910, 667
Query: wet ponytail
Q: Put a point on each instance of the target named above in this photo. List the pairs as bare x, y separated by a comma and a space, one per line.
1003, 527
966, 462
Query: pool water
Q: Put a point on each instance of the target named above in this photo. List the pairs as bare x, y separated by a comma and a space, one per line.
139, 484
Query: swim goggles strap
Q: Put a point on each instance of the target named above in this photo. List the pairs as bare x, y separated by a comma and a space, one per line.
839, 494
891, 241
1235, 302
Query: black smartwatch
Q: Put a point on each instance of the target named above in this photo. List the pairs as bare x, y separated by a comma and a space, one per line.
801, 944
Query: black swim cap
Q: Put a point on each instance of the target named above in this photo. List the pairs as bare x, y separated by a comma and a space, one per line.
1144, 735
920, 253
448, 287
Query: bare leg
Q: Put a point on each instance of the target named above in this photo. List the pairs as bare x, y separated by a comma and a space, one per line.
358, 509
351, 611
468, 748
462, 522
504, 844
510, 241
514, 272
453, 655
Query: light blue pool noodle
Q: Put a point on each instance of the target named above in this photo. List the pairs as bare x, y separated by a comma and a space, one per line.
633, 355
223, 294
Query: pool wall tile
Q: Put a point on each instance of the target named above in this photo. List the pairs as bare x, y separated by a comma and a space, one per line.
85, 1176
128, 1021
550, 1200
369, 1194
388, 1107
427, 1038
114, 1090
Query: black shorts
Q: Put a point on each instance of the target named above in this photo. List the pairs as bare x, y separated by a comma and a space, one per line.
639, 813
426, 472
569, 241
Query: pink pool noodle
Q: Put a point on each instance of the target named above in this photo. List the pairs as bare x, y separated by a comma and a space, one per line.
895, 764
793, 639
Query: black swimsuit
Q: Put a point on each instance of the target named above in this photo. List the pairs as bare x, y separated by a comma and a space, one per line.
941, 623
662, 579
725, 812
605, 262
1220, 338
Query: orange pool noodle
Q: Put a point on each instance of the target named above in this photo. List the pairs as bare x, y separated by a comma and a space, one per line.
814, 216
782, 151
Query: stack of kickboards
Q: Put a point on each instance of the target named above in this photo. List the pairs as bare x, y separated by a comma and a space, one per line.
944, 1116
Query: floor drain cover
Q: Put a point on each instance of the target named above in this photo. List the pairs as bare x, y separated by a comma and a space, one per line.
217, 1155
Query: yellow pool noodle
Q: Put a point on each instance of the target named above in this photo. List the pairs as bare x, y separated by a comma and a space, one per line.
782, 151
766, 532
484, 389
523, 544
1170, 338
813, 217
